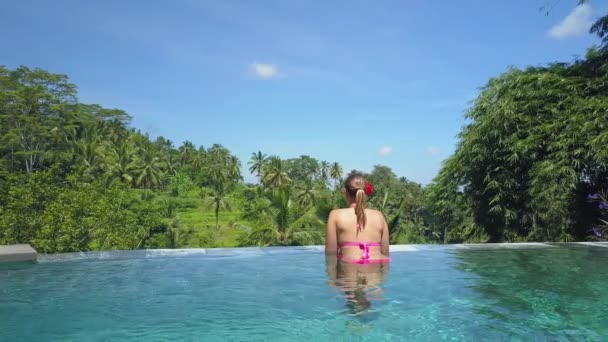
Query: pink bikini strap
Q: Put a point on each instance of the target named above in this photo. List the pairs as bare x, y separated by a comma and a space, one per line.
357, 244
364, 246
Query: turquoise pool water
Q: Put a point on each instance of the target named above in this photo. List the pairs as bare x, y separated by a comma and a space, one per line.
429, 293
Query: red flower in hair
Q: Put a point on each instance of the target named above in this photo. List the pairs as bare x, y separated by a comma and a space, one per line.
369, 188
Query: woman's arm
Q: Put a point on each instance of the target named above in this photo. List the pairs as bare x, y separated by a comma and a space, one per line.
385, 238
331, 261
331, 240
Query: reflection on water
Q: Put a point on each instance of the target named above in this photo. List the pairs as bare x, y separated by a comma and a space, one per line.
434, 294
553, 292
361, 285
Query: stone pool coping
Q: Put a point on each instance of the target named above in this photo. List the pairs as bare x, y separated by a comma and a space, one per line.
27, 253
14, 253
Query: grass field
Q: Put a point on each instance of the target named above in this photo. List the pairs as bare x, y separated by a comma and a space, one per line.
191, 214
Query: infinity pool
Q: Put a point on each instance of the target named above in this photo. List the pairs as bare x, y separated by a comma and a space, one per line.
429, 293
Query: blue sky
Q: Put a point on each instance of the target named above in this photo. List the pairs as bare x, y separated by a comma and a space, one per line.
358, 82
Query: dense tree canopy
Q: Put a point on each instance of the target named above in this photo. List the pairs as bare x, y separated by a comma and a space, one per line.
530, 165
533, 152
76, 177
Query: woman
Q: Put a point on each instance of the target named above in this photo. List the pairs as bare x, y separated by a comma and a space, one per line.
357, 235
361, 284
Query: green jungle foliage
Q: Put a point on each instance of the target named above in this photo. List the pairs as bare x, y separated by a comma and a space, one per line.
530, 165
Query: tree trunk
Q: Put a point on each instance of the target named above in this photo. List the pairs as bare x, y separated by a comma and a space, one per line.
217, 217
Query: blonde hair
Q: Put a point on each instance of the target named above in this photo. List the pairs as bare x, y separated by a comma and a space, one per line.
355, 187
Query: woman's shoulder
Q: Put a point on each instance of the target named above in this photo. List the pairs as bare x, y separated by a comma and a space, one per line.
338, 211
343, 211
374, 212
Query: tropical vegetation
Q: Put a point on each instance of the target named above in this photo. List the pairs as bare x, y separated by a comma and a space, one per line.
530, 165
532, 161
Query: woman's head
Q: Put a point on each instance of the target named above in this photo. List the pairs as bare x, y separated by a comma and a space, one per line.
353, 183
354, 190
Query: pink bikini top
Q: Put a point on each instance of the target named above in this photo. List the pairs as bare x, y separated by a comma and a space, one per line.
364, 246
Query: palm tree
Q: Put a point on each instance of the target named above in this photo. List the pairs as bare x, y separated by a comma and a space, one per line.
187, 150
218, 153
281, 202
293, 236
217, 173
164, 144
68, 130
324, 171
171, 162
307, 194
87, 148
278, 222
384, 203
285, 229
197, 160
149, 168
121, 161
218, 201
115, 130
234, 169
88, 154
275, 174
178, 237
336, 172
393, 223
407, 223
257, 162
217, 162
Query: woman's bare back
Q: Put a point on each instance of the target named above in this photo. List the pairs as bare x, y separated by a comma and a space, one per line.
344, 222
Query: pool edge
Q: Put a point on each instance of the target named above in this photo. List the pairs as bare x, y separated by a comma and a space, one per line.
240, 252
17, 253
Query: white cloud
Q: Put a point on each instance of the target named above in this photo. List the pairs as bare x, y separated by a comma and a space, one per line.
385, 150
574, 24
433, 151
267, 71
